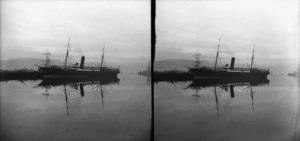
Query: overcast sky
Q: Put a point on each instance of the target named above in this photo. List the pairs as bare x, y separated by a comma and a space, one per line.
32, 27
185, 27
29, 28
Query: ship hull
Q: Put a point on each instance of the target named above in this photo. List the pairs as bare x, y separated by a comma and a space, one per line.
200, 73
57, 72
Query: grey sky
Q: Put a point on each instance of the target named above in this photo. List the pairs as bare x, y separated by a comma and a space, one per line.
183, 27
29, 28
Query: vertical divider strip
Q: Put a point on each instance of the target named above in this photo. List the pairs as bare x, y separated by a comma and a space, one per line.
153, 41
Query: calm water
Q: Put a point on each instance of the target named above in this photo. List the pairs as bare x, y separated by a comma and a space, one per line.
270, 113
122, 112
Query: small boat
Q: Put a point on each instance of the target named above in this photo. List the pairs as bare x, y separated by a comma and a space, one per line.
53, 71
227, 72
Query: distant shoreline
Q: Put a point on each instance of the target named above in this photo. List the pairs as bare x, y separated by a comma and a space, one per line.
20, 74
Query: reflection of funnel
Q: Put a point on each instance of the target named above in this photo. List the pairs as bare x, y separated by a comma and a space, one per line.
81, 90
231, 91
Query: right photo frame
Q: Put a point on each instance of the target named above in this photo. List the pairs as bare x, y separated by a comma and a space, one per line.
226, 70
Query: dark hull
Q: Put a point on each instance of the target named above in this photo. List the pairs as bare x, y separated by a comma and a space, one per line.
211, 73
53, 72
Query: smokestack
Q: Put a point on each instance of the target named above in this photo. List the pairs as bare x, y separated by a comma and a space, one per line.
82, 62
232, 63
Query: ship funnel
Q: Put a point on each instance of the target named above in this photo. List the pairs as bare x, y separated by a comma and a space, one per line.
82, 62
232, 63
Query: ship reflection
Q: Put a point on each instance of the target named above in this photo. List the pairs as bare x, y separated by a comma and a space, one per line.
75, 83
51, 82
225, 84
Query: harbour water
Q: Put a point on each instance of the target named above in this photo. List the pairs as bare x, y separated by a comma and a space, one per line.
267, 112
119, 111
122, 111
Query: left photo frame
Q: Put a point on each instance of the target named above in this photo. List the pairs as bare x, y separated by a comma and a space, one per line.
75, 70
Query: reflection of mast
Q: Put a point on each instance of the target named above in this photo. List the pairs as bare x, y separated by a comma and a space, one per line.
46, 93
196, 93
102, 96
101, 93
217, 102
252, 96
216, 61
67, 103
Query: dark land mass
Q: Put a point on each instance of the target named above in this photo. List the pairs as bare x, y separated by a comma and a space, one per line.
20, 75
172, 76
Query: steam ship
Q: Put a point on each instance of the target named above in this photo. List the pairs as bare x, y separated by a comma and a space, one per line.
203, 72
53, 71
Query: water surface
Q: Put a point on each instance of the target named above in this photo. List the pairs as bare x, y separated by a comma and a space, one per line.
121, 112
269, 113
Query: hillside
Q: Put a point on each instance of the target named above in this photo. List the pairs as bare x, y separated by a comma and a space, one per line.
28, 63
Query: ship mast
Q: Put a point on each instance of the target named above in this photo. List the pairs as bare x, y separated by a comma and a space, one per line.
47, 61
217, 54
252, 59
67, 53
102, 58
197, 62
